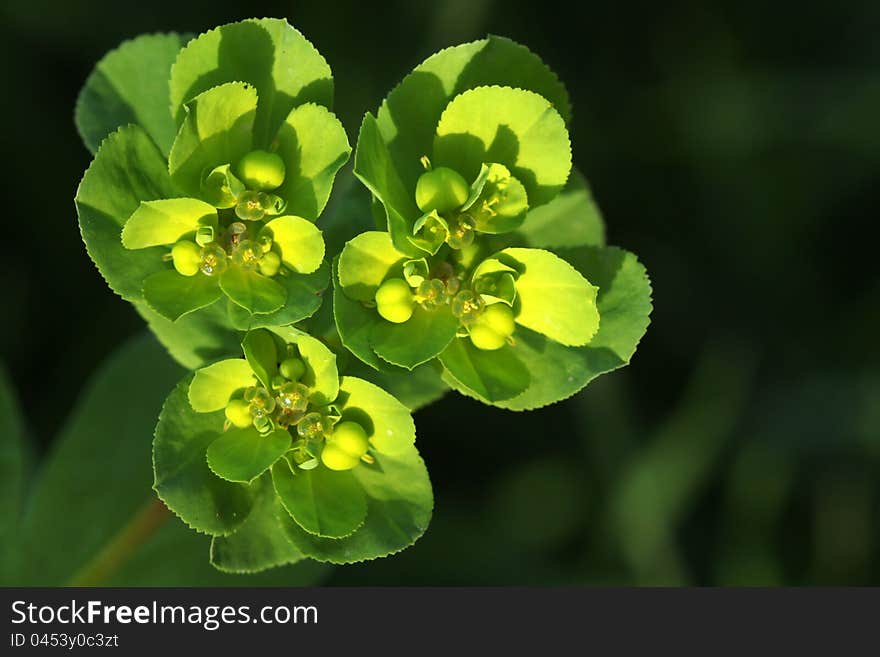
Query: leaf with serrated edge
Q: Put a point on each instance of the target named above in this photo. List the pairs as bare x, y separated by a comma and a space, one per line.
399, 505
299, 241
390, 429
217, 130
261, 542
558, 372
422, 337
172, 295
130, 85
128, 169
513, 127
183, 480
365, 262
213, 386
314, 146
260, 52
323, 502
493, 375
242, 455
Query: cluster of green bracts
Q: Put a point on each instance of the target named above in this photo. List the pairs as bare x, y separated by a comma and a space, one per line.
214, 163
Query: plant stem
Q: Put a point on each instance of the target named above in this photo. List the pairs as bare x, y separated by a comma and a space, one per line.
122, 546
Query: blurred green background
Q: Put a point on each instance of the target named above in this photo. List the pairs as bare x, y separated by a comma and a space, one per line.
734, 146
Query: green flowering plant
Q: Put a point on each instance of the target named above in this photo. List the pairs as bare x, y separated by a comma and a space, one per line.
206, 207
469, 164
277, 450
227, 221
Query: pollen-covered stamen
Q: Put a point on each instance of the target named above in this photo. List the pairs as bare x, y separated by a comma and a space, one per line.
467, 306
461, 232
247, 254
311, 427
253, 206
431, 294
293, 397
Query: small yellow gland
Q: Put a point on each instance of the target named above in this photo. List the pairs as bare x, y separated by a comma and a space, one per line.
238, 413
441, 190
187, 258
270, 264
345, 446
492, 328
261, 170
394, 300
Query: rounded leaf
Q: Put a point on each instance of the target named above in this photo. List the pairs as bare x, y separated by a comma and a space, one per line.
300, 242
399, 505
323, 502
127, 170
173, 296
268, 53
304, 294
552, 297
242, 455
252, 291
513, 127
314, 146
130, 85
213, 386
156, 223
183, 480
321, 375
217, 130
388, 423
365, 262
423, 337
493, 375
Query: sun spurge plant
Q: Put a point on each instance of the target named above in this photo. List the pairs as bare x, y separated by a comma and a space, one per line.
486, 272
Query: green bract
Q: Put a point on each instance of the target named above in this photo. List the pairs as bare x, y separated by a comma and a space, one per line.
334, 457
228, 219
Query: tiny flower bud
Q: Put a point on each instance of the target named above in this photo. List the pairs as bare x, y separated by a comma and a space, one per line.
292, 368
238, 412
441, 189
187, 258
345, 446
261, 170
394, 300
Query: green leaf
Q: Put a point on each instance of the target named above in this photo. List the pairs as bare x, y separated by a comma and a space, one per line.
252, 291
260, 542
399, 504
409, 115
321, 501
388, 423
493, 375
156, 223
268, 53
261, 354
557, 371
304, 296
97, 474
365, 262
314, 146
195, 339
217, 130
299, 241
414, 389
374, 167
172, 295
569, 220
355, 324
130, 85
183, 480
242, 455
552, 297
321, 375
423, 337
513, 127
213, 386
128, 169
12, 471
